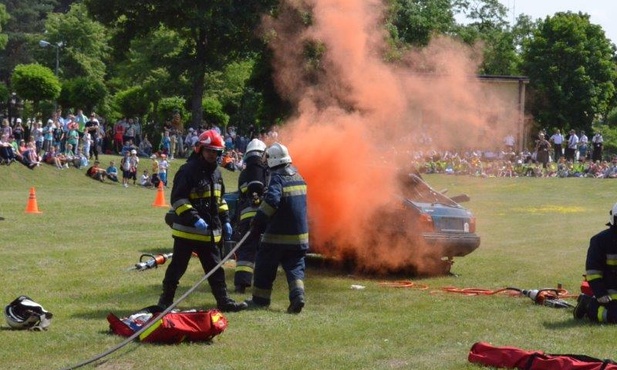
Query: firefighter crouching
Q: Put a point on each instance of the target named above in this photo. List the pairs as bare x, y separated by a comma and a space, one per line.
601, 274
282, 222
251, 185
199, 219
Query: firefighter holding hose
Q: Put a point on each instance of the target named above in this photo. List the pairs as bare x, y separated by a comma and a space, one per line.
251, 185
199, 219
601, 274
282, 222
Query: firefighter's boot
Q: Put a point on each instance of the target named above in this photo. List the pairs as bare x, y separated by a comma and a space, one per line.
296, 305
225, 304
167, 297
582, 306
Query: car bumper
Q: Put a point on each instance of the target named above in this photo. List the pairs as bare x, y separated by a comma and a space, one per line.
453, 244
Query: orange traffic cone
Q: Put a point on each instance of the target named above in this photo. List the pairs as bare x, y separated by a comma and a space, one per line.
32, 206
159, 201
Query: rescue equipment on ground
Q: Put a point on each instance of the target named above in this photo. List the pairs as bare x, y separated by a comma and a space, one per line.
550, 297
174, 327
482, 353
166, 311
25, 313
152, 261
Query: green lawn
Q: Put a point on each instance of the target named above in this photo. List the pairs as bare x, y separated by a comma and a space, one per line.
73, 258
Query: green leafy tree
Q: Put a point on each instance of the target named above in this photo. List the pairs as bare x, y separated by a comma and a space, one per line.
133, 102
4, 17
87, 93
213, 33
413, 22
570, 64
214, 114
27, 17
35, 82
85, 44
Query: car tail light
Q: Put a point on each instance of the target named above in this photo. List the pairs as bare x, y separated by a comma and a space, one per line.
472, 224
426, 222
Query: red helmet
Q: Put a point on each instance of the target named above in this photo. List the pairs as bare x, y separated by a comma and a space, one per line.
210, 140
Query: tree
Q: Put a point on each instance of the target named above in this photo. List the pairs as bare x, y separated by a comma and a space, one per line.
213, 32
85, 44
413, 22
26, 17
35, 82
85, 93
570, 64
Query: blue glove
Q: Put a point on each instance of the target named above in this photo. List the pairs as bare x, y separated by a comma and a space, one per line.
201, 225
228, 231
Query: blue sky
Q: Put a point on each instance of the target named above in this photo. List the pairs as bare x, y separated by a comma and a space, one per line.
600, 11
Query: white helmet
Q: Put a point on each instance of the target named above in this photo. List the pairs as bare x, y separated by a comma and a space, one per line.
24, 313
277, 154
255, 145
612, 215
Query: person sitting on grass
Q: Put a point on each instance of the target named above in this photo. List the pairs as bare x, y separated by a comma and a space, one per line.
145, 181
112, 172
96, 172
29, 156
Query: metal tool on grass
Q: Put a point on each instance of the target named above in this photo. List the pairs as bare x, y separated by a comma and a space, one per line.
166, 311
152, 261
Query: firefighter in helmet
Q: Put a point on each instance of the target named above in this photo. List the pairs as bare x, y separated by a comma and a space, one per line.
601, 274
199, 218
282, 222
251, 185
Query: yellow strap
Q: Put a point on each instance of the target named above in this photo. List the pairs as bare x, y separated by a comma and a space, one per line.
149, 331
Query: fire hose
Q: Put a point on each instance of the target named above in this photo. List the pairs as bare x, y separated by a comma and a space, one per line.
166, 311
550, 297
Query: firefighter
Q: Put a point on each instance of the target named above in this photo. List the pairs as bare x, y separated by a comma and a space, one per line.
251, 185
601, 274
282, 222
199, 219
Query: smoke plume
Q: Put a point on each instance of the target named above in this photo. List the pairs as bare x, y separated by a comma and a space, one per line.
359, 120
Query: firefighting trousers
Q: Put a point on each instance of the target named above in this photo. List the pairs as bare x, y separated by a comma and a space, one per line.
267, 260
209, 256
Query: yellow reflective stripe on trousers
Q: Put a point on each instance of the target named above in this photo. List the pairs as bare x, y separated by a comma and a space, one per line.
248, 269
149, 331
296, 284
262, 293
602, 311
285, 239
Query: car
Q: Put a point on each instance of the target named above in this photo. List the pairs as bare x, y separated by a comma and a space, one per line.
431, 227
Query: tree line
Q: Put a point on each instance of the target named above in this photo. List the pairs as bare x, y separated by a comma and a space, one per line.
210, 61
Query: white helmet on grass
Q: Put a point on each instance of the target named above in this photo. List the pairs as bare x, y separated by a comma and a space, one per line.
24, 313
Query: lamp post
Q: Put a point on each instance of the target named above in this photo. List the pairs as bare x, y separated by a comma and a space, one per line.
57, 46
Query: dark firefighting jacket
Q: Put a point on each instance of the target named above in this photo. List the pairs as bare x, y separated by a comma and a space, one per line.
251, 186
198, 193
601, 264
282, 215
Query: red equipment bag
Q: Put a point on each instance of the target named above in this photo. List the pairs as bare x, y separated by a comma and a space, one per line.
174, 327
515, 358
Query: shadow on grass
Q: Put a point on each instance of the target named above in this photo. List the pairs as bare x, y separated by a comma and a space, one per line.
567, 323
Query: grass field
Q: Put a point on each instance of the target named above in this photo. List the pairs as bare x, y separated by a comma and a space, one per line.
73, 258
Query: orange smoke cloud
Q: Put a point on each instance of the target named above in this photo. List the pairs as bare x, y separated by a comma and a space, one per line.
358, 120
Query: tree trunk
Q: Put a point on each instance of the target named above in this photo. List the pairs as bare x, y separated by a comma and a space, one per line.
199, 77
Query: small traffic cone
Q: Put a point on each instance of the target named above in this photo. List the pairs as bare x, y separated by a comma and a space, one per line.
32, 206
159, 201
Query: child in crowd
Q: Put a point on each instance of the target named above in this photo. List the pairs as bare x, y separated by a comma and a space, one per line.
112, 172
96, 172
163, 165
145, 180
